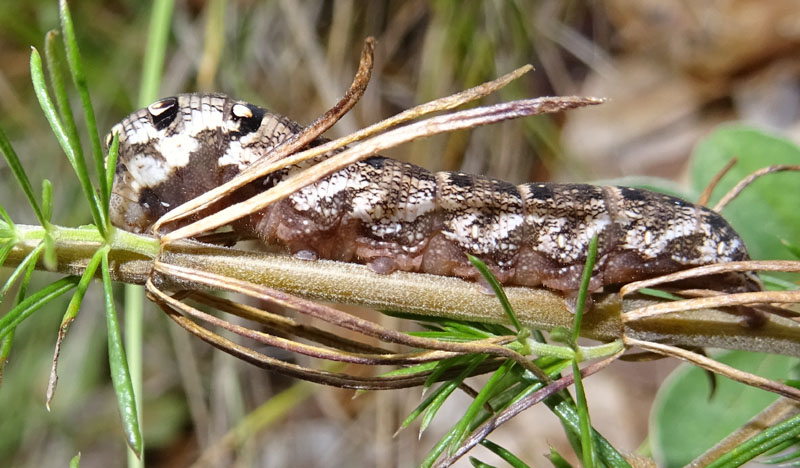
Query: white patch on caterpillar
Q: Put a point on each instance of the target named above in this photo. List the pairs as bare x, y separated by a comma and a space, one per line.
148, 171
176, 149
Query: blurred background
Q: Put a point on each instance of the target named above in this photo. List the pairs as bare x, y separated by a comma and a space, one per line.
674, 70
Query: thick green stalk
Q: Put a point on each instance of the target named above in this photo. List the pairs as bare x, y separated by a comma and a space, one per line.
132, 262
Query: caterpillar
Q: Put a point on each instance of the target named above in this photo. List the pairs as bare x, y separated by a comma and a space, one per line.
392, 215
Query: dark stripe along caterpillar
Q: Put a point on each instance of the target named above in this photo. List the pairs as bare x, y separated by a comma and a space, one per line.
393, 216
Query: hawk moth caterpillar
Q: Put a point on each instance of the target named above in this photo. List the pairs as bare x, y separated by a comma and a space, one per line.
393, 215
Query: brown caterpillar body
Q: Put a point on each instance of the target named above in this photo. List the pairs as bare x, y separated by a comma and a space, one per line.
393, 216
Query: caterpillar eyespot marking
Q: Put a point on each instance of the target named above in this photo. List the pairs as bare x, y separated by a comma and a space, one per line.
392, 215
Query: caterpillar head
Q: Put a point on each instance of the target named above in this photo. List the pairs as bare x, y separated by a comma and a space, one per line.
180, 147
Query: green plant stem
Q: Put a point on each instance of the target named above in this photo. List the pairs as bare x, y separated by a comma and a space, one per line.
132, 262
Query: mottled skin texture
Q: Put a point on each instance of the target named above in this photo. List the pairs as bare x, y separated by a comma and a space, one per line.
393, 216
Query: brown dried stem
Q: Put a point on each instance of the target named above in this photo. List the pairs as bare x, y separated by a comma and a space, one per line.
292, 145
717, 367
442, 124
734, 192
336, 317
712, 184
278, 158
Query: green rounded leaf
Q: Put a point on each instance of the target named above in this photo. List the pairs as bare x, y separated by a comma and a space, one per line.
685, 422
765, 212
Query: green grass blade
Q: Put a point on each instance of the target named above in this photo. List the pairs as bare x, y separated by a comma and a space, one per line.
111, 167
47, 200
118, 364
488, 390
447, 388
79, 78
29, 259
22, 178
158, 35
588, 455
34, 302
50, 259
4, 251
6, 218
479, 464
498, 291
760, 444
591, 258
5, 351
503, 453
69, 317
557, 460
424, 404
568, 414
56, 64
46, 103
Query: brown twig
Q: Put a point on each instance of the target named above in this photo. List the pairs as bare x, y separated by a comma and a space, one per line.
712, 184
336, 317
274, 162
734, 192
717, 367
442, 124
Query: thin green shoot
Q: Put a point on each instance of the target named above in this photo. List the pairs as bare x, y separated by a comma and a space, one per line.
498, 291
557, 459
34, 302
78, 164
479, 464
118, 365
22, 179
504, 454
583, 292
69, 316
488, 390
79, 79
111, 167
47, 200
446, 389
31, 258
588, 455
566, 411
765, 441
8, 223
158, 34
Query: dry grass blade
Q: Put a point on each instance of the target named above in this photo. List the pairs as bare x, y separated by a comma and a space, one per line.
717, 367
712, 184
713, 302
293, 144
281, 324
312, 375
278, 158
294, 346
734, 192
788, 266
493, 346
442, 124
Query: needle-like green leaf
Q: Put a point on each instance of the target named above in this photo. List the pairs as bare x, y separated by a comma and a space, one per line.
22, 178
32, 303
78, 164
79, 78
118, 364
